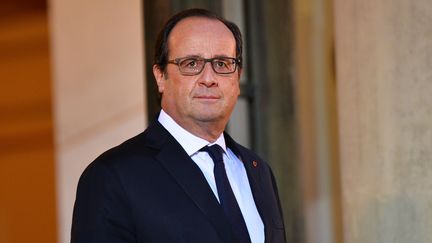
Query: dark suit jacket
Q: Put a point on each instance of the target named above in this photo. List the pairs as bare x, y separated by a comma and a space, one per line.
149, 190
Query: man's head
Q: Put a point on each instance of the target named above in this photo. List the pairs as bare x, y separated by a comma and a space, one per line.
199, 93
162, 49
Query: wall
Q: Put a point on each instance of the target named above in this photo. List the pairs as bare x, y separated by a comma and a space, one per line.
27, 190
98, 86
384, 74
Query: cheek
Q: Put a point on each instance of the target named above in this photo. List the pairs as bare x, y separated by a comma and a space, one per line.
235, 88
183, 91
232, 92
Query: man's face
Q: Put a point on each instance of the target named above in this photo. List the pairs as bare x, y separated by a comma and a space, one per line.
205, 98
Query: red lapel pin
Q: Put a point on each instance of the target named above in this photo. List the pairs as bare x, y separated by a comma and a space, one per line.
254, 163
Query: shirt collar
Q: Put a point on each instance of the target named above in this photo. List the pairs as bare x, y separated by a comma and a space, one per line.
190, 143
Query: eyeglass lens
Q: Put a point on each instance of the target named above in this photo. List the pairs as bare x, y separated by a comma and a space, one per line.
196, 65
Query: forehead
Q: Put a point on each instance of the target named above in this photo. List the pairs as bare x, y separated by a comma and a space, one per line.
201, 36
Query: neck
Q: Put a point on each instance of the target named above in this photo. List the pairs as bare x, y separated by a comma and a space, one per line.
206, 130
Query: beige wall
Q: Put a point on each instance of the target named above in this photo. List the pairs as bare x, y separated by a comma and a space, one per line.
98, 85
384, 80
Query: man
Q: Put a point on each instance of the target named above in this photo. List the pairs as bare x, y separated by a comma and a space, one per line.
184, 179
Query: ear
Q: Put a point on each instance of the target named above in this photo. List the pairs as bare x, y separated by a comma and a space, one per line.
160, 78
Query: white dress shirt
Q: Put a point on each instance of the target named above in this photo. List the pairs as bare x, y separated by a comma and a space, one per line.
234, 167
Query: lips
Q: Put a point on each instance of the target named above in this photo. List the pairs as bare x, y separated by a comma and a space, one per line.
207, 97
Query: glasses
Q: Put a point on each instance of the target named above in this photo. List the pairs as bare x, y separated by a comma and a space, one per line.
194, 65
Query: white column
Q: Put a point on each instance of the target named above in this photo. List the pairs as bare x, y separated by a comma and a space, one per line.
384, 77
98, 85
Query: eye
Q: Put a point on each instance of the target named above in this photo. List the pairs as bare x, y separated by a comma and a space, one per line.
189, 63
220, 63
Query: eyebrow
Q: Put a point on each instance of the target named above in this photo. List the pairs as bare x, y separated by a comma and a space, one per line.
199, 56
191, 56
217, 56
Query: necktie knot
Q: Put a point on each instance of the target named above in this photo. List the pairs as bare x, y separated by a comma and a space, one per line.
215, 152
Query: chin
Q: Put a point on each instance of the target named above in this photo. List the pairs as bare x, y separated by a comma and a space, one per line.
208, 116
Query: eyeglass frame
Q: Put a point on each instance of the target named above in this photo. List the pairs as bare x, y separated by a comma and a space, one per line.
176, 61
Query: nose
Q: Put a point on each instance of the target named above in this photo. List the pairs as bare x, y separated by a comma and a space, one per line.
208, 76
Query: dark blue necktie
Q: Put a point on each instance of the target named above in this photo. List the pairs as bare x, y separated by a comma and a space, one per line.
226, 195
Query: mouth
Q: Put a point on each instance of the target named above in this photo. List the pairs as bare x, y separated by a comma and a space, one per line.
206, 97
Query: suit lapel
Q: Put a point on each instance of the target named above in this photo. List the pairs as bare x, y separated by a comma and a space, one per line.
254, 169
190, 178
